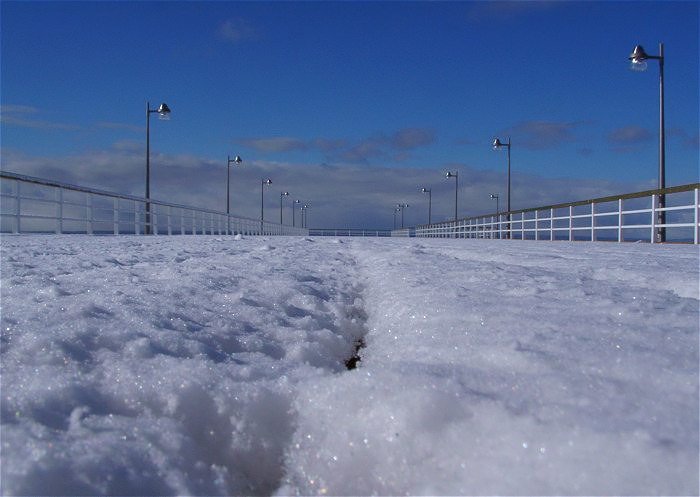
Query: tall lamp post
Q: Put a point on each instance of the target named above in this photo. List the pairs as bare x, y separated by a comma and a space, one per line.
430, 202
304, 215
236, 160
454, 175
163, 113
401, 207
395, 211
262, 202
498, 213
283, 194
638, 59
294, 222
496, 145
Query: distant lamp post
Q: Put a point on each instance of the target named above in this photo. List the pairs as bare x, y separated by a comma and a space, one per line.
454, 175
396, 209
294, 222
304, 216
496, 145
638, 62
430, 203
401, 207
163, 113
283, 194
498, 212
238, 161
262, 201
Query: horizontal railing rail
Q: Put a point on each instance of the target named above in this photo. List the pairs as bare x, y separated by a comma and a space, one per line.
627, 217
36, 205
348, 232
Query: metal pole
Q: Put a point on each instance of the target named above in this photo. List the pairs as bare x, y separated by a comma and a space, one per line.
662, 146
430, 206
228, 194
508, 187
456, 188
148, 168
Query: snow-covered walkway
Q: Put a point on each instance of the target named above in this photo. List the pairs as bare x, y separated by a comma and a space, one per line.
209, 365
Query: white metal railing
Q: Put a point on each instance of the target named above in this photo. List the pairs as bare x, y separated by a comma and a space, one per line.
348, 232
35, 205
629, 217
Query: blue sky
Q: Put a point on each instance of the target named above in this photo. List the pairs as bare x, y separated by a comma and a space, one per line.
351, 106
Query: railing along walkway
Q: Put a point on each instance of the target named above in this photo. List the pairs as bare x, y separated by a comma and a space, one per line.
35, 205
629, 217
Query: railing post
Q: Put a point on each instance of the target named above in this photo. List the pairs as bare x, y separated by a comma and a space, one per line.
16, 194
170, 220
115, 215
537, 225
522, 225
137, 231
653, 218
551, 224
571, 223
619, 220
593, 221
88, 213
59, 210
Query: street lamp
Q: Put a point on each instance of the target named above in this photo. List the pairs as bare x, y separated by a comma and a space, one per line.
496, 145
163, 113
401, 207
495, 196
430, 202
262, 201
498, 213
454, 175
283, 194
294, 222
304, 215
395, 211
236, 160
638, 59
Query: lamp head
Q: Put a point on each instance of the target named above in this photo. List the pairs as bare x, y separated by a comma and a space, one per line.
163, 111
267, 182
494, 195
450, 175
237, 159
284, 193
425, 190
297, 201
638, 59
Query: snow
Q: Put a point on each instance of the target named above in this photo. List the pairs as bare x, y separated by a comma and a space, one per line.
204, 365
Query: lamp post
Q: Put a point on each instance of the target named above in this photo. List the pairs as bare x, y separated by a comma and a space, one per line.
454, 175
395, 211
163, 112
496, 145
495, 196
294, 222
638, 59
430, 202
304, 216
401, 207
262, 202
283, 194
498, 214
236, 160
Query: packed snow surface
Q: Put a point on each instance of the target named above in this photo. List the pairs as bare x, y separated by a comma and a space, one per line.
203, 365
